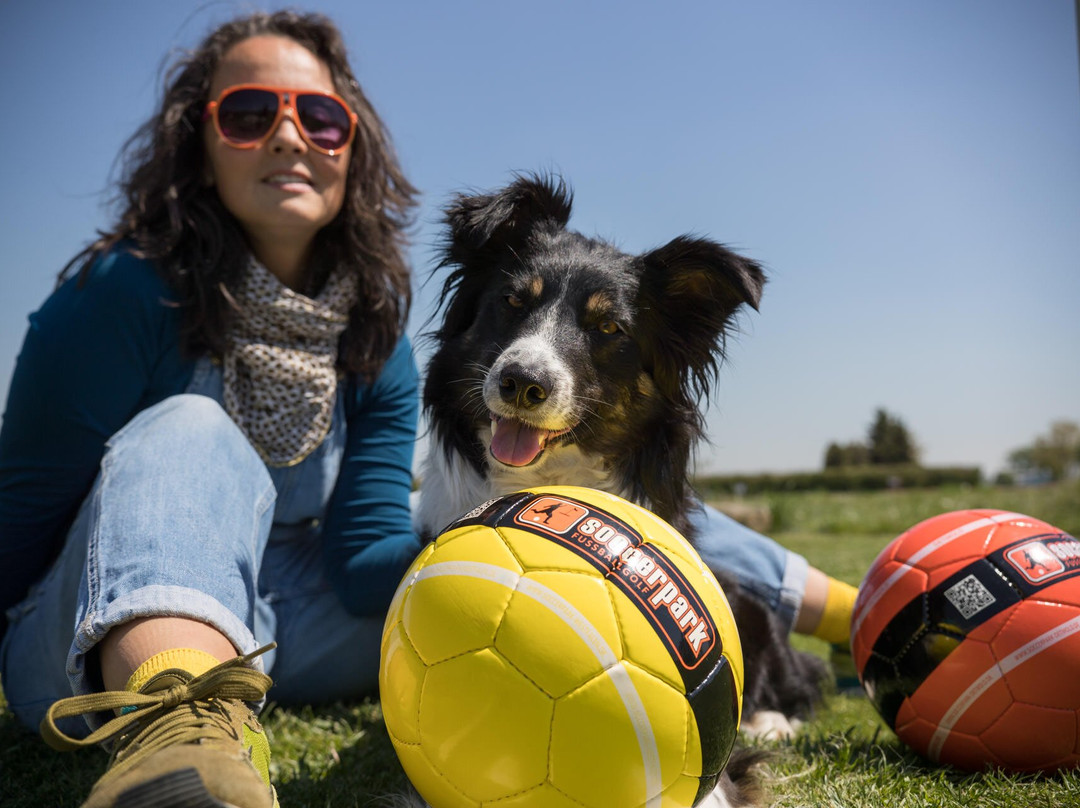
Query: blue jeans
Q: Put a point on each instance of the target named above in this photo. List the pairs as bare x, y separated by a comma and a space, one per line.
247, 561
760, 565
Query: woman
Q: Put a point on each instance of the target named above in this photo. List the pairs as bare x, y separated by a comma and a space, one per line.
208, 441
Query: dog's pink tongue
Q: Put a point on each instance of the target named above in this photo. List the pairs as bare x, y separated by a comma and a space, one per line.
515, 443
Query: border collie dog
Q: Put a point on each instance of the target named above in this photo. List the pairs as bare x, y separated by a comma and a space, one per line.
561, 360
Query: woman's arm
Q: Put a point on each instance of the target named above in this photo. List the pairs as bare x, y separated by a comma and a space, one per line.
98, 351
368, 537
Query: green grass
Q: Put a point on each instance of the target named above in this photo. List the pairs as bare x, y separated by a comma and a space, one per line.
340, 756
889, 513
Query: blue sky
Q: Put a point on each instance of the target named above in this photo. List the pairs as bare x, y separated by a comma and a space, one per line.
909, 174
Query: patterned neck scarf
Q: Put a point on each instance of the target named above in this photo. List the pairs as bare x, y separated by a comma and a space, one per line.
279, 366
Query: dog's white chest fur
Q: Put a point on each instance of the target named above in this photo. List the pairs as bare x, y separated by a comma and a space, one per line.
450, 486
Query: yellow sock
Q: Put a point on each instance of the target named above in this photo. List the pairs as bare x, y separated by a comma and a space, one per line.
835, 624
191, 660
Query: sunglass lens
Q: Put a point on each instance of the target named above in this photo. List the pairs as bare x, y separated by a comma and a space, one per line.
247, 115
325, 120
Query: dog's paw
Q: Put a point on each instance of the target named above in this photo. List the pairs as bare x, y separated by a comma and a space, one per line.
769, 725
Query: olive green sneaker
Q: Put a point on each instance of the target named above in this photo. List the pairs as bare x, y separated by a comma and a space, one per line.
182, 741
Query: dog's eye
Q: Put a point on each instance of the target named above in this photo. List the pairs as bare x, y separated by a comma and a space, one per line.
608, 327
514, 302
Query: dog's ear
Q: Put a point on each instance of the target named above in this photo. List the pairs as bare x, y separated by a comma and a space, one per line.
504, 219
692, 288
483, 229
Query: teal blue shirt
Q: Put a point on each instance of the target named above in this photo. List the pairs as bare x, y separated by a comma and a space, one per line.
101, 350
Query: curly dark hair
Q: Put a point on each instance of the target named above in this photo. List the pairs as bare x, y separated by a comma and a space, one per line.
170, 216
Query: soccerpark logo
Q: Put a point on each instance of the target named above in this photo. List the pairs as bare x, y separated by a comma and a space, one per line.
639, 569
1045, 558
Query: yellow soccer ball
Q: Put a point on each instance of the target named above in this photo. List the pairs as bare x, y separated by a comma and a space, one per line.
561, 648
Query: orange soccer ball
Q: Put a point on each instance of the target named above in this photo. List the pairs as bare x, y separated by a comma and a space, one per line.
966, 637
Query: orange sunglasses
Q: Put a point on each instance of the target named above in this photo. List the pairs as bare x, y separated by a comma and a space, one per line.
246, 115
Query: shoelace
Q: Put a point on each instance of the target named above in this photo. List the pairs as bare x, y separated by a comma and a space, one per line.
149, 718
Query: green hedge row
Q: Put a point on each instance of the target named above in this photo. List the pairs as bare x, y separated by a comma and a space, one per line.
845, 478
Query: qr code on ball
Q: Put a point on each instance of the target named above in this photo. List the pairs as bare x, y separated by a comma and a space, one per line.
969, 596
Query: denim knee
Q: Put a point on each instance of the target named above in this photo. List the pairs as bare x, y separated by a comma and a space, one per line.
188, 428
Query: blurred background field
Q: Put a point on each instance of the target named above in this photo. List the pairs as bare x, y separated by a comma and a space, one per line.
339, 756
842, 532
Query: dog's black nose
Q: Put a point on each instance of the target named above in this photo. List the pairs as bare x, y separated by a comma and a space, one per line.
521, 388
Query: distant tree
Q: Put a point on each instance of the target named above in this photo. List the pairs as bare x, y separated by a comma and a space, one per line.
847, 454
889, 441
1054, 454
